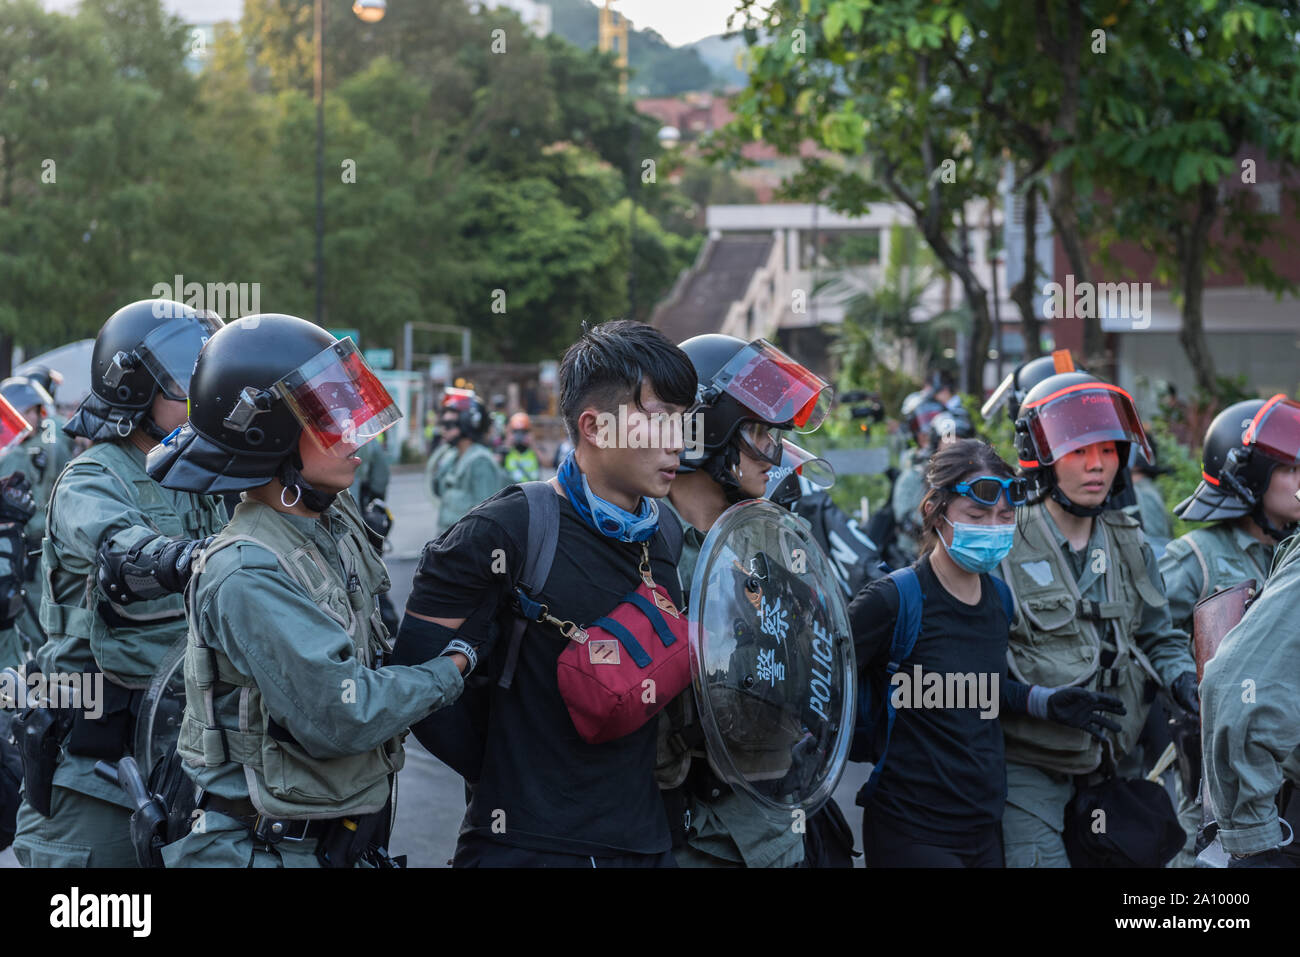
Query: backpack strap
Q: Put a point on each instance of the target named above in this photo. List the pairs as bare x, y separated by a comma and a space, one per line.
539, 554
907, 628
673, 534
1008, 600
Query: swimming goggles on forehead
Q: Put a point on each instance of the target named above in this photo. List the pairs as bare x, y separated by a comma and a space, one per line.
986, 490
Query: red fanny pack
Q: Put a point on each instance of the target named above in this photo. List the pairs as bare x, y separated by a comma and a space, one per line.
622, 669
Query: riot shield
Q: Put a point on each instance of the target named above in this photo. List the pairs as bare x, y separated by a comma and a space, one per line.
772, 658
158, 724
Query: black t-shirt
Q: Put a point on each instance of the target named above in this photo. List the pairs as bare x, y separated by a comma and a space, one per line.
556, 791
945, 773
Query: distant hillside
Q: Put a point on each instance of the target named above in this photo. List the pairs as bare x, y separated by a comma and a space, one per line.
719, 54
657, 68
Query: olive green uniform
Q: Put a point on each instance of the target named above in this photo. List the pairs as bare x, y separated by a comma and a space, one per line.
726, 830
103, 494
459, 481
1250, 712
1152, 513
1073, 608
372, 475
287, 707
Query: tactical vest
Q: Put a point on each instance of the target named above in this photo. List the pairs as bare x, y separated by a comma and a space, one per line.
1207, 547
128, 651
283, 780
1059, 637
523, 466
448, 483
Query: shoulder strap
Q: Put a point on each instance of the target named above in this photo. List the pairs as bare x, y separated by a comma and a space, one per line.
907, 626
1190, 539
671, 530
539, 554
1008, 600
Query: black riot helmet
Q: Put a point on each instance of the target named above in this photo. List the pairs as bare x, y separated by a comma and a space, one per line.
144, 348
1015, 386
950, 424
1243, 445
749, 394
23, 392
49, 379
260, 382
1068, 411
471, 414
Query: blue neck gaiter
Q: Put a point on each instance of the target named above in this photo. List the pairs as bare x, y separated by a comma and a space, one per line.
606, 518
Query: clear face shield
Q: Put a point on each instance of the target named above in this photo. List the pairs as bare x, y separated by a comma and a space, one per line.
338, 399
1082, 415
775, 387
170, 351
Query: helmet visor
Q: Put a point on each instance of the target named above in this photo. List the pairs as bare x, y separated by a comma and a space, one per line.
13, 427
775, 388
1275, 430
338, 399
802, 462
761, 440
1082, 415
170, 351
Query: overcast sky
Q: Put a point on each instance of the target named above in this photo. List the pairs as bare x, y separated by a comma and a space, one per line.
678, 21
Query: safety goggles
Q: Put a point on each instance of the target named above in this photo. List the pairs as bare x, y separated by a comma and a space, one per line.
761, 441
1275, 430
1081, 415
987, 490
774, 387
13, 427
338, 400
170, 351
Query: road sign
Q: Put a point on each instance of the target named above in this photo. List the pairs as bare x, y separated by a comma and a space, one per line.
379, 358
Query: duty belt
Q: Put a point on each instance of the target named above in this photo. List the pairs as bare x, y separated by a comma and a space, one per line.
268, 830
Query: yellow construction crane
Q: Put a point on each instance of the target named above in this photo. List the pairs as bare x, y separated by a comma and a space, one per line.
613, 38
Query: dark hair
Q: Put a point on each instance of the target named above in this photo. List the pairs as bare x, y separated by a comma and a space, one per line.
947, 467
607, 364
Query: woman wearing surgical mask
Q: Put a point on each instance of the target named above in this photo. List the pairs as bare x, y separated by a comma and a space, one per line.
938, 799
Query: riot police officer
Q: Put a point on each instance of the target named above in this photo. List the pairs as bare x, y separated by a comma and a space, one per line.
62, 446
462, 471
1091, 611
738, 440
293, 725
1247, 495
1251, 722
40, 459
117, 547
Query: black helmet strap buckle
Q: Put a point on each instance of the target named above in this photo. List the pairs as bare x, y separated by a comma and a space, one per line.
121, 364
252, 403
1235, 462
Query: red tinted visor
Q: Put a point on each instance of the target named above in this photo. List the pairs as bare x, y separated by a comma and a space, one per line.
462, 400
13, 427
815, 469
1275, 430
775, 388
338, 399
1082, 415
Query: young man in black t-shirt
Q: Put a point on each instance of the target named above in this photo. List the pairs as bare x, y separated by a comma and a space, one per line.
547, 798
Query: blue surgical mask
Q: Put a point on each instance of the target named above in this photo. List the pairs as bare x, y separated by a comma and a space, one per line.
978, 548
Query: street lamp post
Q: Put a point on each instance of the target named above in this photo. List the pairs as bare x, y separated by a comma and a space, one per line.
368, 11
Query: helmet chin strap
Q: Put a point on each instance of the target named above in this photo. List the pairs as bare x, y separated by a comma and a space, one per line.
151, 428
289, 476
1083, 511
720, 467
1268, 528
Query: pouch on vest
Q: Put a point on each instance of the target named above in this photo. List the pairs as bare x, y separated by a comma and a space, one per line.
1141, 828
622, 669
108, 736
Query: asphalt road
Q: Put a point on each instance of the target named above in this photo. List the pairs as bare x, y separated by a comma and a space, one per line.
431, 797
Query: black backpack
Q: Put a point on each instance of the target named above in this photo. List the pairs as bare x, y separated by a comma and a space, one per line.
457, 734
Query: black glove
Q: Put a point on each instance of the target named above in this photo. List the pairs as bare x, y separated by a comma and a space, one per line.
127, 576
1082, 709
1186, 693
16, 502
